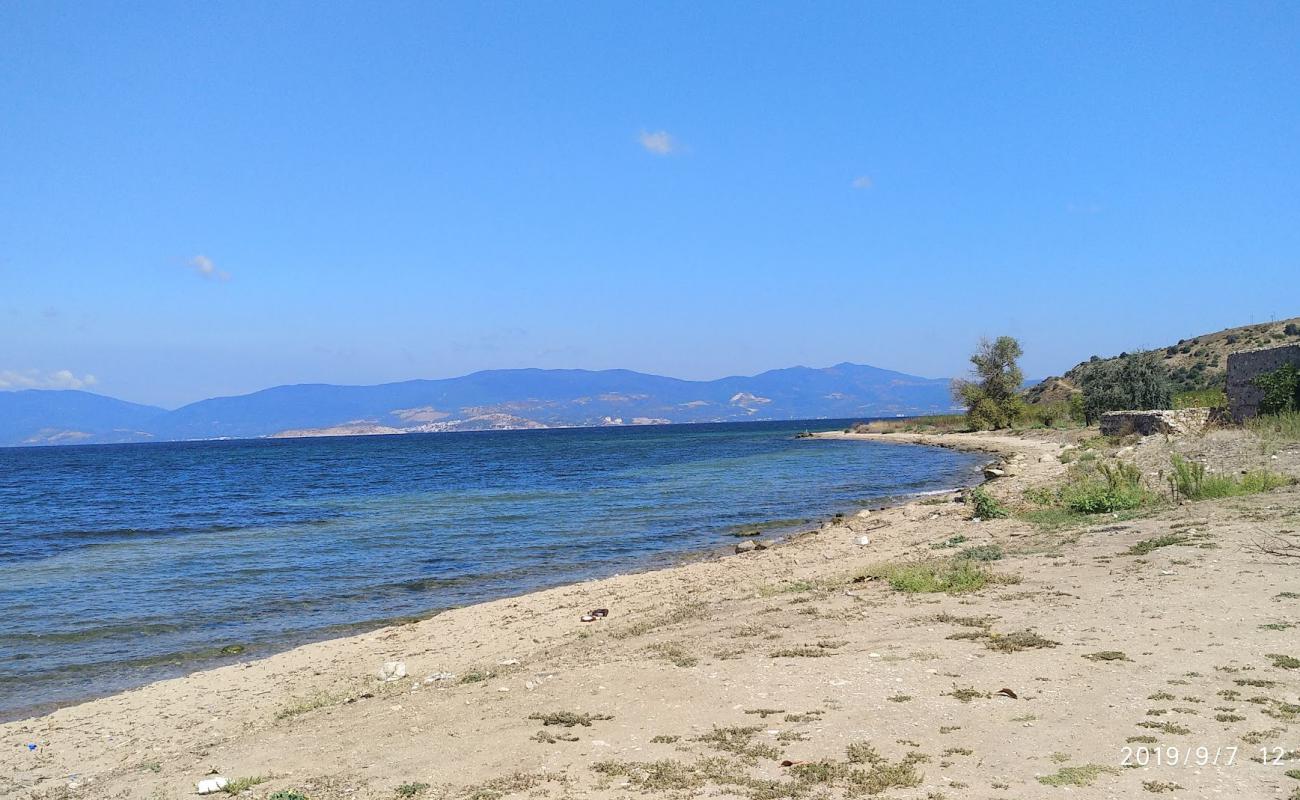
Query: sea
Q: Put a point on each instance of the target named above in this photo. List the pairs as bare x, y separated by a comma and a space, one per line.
125, 564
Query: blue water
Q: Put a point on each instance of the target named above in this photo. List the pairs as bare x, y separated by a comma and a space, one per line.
123, 564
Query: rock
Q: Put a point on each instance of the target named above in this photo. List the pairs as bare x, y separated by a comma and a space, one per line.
211, 785
991, 473
863, 541
392, 671
746, 547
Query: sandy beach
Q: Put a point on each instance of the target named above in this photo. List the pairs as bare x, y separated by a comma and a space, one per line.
706, 678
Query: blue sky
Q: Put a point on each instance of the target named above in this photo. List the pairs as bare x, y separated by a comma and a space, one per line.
204, 199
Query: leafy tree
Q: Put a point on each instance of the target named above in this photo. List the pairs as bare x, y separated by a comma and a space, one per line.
1133, 382
1281, 390
992, 399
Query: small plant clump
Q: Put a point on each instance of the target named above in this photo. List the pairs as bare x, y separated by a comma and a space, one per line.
1108, 655
1190, 480
568, 718
954, 576
1147, 545
985, 506
411, 789
1076, 776
1284, 661
982, 552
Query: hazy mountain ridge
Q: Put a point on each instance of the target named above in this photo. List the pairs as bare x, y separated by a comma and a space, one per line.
493, 399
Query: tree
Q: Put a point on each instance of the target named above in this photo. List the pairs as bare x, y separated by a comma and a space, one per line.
992, 399
1281, 389
1133, 382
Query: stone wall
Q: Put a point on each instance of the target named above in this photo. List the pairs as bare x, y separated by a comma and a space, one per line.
1146, 423
1244, 367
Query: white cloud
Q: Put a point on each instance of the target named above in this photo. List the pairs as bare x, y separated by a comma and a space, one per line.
202, 265
13, 380
661, 143
863, 182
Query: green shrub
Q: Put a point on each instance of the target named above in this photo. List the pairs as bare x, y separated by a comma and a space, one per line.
1281, 389
1134, 381
985, 506
1119, 488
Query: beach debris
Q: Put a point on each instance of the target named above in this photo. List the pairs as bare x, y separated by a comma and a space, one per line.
587, 618
1007, 693
599, 613
509, 662
746, 547
440, 676
31, 746
392, 671
211, 785
863, 541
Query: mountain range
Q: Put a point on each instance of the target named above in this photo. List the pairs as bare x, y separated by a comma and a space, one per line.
489, 400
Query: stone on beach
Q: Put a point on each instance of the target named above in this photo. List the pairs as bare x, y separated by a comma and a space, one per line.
392, 671
211, 785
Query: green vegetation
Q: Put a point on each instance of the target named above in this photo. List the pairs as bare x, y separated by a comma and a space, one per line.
1108, 655
1281, 389
287, 794
1133, 381
1191, 480
1284, 661
739, 741
954, 576
982, 552
1119, 488
1201, 398
241, 785
932, 423
992, 400
1076, 776
411, 789
865, 772
568, 718
1147, 545
1159, 787
674, 652
985, 506
1276, 428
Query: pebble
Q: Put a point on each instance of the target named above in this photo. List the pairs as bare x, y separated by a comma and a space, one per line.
392, 671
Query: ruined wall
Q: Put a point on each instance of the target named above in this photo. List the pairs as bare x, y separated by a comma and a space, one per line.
1146, 423
1244, 367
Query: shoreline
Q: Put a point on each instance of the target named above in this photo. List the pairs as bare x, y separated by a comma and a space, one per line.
725, 643
181, 666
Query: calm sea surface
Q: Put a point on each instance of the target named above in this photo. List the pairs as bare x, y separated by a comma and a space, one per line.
123, 564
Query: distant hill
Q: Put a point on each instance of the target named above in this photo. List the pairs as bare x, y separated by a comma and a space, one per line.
495, 399
1196, 363
71, 417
